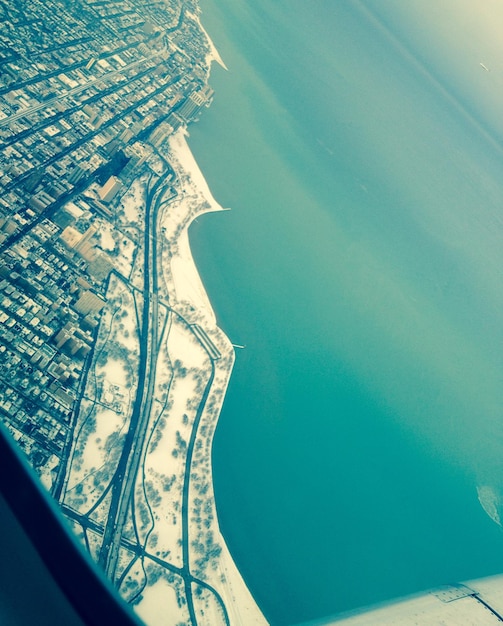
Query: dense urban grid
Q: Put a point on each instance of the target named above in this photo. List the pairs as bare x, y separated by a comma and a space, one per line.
80, 115
92, 333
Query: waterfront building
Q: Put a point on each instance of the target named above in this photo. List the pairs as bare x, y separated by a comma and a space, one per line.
192, 105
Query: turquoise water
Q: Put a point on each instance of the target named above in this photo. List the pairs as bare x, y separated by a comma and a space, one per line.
361, 267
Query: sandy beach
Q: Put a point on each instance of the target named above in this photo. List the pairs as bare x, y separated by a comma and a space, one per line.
189, 287
160, 370
174, 516
197, 200
214, 55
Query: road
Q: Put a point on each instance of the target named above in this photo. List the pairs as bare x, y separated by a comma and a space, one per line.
52, 119
124, 480
65, 69
75, 90
81, 185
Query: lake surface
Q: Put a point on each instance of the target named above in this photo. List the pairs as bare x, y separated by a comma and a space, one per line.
361, 267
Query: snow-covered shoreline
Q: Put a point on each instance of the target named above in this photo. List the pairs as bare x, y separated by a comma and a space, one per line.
238, 599
214, 55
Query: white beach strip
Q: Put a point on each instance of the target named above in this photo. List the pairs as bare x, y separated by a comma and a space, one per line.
198, 199
188, 285
179, 148
214, 54
242, 607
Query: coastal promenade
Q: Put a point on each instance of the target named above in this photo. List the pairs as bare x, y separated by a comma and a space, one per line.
148, 515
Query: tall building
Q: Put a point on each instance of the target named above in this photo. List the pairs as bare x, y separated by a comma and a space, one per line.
110, 189
85, 240
193, 104
71, 237
64, 335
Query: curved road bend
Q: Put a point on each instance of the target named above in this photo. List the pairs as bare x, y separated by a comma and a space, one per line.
187, 576
139, 551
